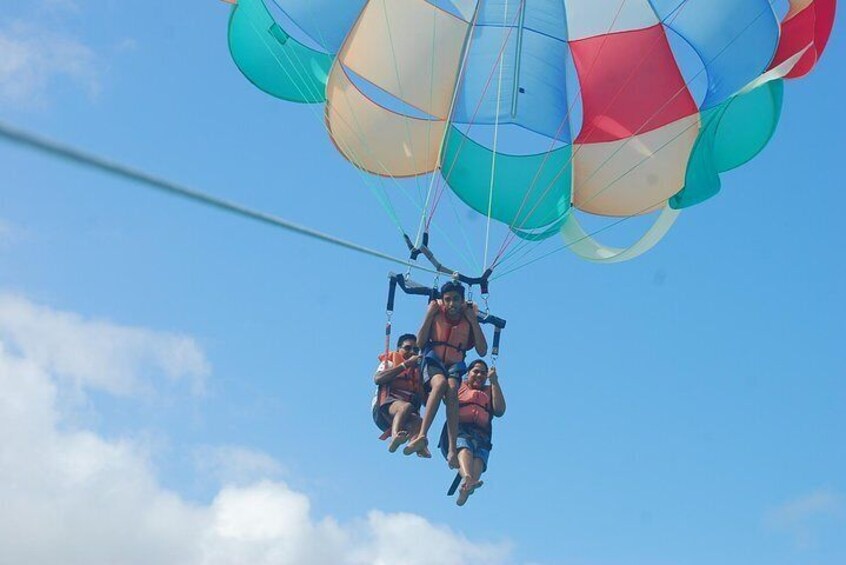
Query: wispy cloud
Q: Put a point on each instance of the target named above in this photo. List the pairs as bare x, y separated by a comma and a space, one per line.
97, 354
798, 517
72, 496
33, 59
235, 465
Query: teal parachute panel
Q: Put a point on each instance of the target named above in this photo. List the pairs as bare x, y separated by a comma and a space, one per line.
732, 134
468, 168
271, 59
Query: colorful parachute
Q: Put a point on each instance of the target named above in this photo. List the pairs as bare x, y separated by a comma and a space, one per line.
527, 109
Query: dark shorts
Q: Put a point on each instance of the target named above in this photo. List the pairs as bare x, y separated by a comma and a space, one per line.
382, 415
433, 365
471, 438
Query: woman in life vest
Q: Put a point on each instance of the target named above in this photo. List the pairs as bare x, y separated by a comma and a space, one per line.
478, 405
396, 405
449, 330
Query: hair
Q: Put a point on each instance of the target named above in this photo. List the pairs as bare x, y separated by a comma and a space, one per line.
406, 337
453, 286
477, 362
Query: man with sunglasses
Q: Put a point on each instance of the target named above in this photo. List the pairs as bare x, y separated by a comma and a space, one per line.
396, 406
449, 330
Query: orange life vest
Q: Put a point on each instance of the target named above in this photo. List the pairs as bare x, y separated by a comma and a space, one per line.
407, 386
475, 407
450, 340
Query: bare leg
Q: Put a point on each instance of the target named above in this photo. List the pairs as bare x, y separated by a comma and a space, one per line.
465, 463
471, 470
452, 422
478, 469
439, 387
465, 468
413, 428
400, 411
413, 423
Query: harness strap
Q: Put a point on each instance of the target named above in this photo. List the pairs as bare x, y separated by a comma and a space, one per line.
454, 486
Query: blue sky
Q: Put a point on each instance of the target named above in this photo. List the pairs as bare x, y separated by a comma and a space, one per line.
210, 375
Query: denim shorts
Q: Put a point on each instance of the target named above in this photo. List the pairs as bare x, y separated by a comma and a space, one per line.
471, 438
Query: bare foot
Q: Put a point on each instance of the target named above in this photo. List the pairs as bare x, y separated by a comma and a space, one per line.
424, 453
397, 441
463, 494
468, 487
416, 445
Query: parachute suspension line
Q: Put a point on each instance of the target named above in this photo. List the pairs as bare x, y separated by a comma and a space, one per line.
576, 241
414, 203
450, 197
529, 249
419, 205
379, 191
442, 187
401, 93
627, 141
623, 175
381, 196
496, 140
426, 217
509, 237
658, 111
706, 65
79, 157
472, 122
425, 211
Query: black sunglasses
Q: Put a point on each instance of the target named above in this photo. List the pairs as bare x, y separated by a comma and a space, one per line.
411, 348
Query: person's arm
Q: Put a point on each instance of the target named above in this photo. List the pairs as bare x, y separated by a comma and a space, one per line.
426, 327
497, 398
387, 375
472, 315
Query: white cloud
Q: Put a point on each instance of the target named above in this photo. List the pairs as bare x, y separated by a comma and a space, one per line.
70, 496
798, 517
235, 465
97, 354
32, 57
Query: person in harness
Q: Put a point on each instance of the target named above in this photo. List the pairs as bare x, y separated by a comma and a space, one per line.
478, 404
449, 330
400, 393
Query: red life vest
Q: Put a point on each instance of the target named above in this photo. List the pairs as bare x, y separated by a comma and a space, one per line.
450, 340
407, 386
475, 407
